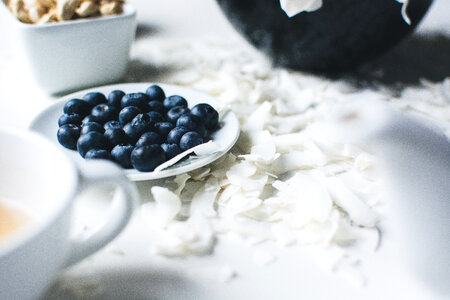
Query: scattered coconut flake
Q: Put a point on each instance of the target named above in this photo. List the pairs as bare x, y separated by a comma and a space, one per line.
195, 236
204, 199
200, 150
166, 206
404, 12
309, 199
360, 239
239, 204
283, 234
257, 120
357, 210
263, 149
180, 180
294, 7
284, 181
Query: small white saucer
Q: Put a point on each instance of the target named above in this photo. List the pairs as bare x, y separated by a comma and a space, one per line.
46, 123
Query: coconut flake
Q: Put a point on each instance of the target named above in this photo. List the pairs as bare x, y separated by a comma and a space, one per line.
200, 150
285, 182
195, 236
181, 180
293, 7
357, 210
204, 199
166, 206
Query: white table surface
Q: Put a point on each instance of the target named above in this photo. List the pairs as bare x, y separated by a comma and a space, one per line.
127, 270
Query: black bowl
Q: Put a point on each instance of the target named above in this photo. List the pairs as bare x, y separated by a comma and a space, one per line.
337, 37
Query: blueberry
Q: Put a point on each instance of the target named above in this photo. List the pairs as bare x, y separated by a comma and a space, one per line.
155, 117
68, 135
70, 118
189, 140
171, 150
136, 128
139, 100
77, 106
144, 121
149, 138
115, 136
207, 114
104, 113
175, 135
91, 140
115, 97
155, 92
92, 126
112, 124
173, 101
128, 113
163, 128
147, 158
94, 98
192, 123
90, 118
121, 154
156, 106
175, 112
97, 154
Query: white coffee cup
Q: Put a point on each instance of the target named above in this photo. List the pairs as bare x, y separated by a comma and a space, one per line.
37, 175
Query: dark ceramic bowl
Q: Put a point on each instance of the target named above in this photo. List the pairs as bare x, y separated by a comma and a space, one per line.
337, 37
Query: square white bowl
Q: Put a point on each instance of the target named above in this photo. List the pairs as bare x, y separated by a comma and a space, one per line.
71, 55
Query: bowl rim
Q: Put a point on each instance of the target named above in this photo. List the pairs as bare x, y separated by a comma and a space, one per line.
128, 12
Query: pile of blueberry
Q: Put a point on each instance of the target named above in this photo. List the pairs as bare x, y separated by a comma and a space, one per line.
136, 130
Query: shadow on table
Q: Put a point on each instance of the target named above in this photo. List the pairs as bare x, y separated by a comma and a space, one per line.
417, 57
144, 30
141, 70
130, 284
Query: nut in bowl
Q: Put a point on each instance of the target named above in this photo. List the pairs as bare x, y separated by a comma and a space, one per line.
71, 54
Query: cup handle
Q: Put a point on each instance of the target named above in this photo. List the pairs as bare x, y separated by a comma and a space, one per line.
95, 172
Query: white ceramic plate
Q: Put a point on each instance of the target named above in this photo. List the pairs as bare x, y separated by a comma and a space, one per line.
46, 123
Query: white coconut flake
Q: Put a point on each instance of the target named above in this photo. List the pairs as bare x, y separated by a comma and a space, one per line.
195, 236
294, 7
363, 239
404, 13
180, 180
257, 120
200, 150
357, 210
309, 199
239, 204
204, 199
285, 182
166, 206
283, 234
263, 149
